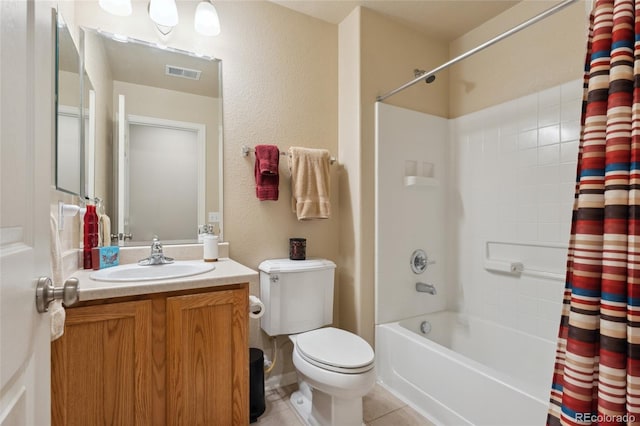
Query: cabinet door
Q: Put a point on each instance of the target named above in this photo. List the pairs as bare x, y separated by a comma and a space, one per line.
207, 359
101, 366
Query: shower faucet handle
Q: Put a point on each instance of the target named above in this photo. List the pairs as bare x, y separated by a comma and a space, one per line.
420, 261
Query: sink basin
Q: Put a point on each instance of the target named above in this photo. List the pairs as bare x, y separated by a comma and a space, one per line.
135, 272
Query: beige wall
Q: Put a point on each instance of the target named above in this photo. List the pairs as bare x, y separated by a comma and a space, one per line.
389, 54
280, 85
543, 55
69, 89
383, 54
349, 306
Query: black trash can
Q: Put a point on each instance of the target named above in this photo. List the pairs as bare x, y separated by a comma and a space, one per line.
256, 384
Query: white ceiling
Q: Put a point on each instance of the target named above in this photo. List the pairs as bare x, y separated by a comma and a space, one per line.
441, 19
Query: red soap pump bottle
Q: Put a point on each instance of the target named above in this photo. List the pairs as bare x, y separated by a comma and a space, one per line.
90, 235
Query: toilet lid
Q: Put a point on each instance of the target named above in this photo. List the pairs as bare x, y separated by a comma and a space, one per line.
336, 350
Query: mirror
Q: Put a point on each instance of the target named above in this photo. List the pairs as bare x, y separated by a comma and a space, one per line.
69, 150
158, 138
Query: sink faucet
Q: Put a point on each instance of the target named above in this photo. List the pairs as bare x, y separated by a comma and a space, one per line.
157, 256
426, 288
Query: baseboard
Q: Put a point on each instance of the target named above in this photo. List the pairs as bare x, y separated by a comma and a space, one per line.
280, 380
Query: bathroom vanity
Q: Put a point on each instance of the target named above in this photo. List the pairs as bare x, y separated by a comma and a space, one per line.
171, 352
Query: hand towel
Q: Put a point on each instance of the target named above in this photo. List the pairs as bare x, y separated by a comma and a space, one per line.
57, 316
56, 310
310, 183
268, 157
266, 172
104, 234
55, 252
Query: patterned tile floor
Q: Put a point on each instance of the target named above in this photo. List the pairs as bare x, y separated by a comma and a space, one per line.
380, 409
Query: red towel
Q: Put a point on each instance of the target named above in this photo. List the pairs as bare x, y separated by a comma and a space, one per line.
268, 157
266, 172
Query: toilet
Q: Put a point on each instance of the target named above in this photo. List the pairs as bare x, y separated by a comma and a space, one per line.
335, 368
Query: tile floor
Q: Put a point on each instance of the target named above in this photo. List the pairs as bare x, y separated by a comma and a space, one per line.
380, 409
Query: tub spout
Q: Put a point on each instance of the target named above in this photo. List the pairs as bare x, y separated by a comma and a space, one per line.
425, 288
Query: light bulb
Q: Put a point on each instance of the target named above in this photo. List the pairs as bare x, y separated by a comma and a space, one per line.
206, 21
164, 12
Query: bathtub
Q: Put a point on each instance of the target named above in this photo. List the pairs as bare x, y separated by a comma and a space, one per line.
466, 371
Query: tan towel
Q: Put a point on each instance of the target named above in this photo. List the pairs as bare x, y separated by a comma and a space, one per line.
104, 233
310, 183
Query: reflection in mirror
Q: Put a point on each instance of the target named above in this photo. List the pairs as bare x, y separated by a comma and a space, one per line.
158, 138
88, 132
68, 112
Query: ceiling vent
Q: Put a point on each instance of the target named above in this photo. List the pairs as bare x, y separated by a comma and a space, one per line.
182, 72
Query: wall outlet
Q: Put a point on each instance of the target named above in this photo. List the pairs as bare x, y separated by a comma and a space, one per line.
214, 217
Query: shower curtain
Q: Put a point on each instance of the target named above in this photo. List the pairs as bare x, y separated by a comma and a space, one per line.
597, 372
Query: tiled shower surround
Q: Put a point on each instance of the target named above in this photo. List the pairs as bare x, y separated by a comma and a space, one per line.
512, 180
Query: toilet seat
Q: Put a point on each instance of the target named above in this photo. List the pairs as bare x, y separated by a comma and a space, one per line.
335, 350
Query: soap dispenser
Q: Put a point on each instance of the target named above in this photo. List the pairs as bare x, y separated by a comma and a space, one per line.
210, 242
90, 235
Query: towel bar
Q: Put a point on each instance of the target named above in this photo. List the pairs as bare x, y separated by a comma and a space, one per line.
246, 150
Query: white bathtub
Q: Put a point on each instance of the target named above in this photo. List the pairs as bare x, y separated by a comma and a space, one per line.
466, 370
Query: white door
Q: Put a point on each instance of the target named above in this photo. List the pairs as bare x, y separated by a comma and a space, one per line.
26, 134
164, 158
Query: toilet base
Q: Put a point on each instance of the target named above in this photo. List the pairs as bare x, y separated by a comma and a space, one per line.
317, 408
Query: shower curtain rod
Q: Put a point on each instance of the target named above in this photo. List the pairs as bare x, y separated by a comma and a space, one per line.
483, 46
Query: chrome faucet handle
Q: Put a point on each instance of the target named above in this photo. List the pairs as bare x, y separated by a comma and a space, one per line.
156, 246
156, 257
419, 261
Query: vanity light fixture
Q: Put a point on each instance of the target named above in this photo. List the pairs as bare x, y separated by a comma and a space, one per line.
116, 7
164, 14
206, 21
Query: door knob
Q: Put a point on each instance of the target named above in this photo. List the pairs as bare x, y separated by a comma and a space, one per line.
47, 293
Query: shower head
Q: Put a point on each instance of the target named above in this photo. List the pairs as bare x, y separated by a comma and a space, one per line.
418, 73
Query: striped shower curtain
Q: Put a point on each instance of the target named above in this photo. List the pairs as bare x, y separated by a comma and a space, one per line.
597, 371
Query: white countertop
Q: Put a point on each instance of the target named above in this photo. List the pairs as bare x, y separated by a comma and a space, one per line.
226, 272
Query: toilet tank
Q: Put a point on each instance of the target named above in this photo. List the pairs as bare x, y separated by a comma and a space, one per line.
297, 295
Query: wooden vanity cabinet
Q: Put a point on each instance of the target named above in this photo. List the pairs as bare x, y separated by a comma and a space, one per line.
178, 358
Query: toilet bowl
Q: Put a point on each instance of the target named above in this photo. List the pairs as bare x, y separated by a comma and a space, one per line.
335, 370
